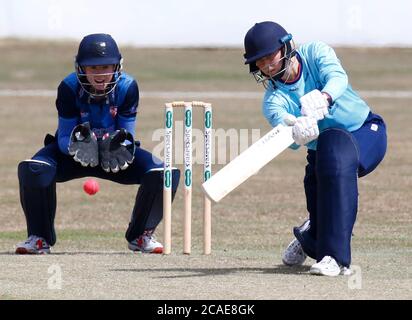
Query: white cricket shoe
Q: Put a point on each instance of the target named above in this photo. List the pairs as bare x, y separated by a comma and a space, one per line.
33, 245
146, 243
329, 267
294, 255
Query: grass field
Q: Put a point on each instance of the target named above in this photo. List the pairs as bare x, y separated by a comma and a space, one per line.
251, 226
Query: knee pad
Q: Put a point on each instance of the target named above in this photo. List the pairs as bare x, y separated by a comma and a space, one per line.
153, 180
35, 173
38, 198
337, 153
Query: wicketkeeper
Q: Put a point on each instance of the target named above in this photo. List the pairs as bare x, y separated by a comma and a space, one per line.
308, 89
96, 107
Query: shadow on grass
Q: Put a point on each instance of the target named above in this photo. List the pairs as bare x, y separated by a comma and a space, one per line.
74, 253
206, 272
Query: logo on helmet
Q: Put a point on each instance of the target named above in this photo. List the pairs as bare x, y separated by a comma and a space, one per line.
100, 48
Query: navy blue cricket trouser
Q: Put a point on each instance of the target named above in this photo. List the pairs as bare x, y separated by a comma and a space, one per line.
331, 186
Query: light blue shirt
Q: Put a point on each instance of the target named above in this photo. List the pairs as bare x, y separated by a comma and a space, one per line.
320, 69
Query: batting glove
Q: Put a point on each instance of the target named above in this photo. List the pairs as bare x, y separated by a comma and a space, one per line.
305, 129
314, 104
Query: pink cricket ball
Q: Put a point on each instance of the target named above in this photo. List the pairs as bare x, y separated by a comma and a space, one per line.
91, 186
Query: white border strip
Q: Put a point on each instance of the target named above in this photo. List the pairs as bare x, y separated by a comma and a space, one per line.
205, 94
27, 93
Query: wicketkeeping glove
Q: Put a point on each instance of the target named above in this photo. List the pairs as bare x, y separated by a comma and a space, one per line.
116, 151
83, 145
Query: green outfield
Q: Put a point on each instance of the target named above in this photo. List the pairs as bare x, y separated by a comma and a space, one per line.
251, 226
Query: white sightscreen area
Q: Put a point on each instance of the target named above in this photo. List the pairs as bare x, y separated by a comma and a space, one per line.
210, 22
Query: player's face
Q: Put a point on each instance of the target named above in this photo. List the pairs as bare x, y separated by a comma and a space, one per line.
271, 64
99, 76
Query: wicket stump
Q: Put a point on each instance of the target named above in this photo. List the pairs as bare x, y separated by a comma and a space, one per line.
187, 155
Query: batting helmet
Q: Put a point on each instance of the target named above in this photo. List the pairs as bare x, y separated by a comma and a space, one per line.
97, 50
265, 38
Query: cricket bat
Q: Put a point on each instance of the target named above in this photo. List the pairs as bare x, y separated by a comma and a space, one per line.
248, 163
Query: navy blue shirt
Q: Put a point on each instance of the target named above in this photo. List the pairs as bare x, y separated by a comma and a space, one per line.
115, 111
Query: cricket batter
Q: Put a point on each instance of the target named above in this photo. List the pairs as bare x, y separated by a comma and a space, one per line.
307, 88
96, 108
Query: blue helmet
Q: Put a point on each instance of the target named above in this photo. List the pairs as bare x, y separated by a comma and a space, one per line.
263, 39
96, 50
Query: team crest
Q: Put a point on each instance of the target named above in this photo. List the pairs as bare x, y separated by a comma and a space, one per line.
113, 111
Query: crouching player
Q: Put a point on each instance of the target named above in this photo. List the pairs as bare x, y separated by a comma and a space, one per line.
97, 107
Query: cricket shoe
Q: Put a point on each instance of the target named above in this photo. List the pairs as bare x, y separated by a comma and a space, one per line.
33, 245
329, 267
294, 254
146, 243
